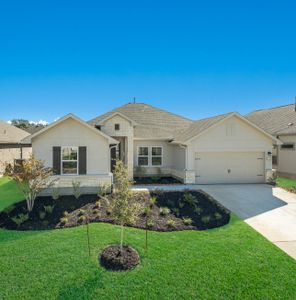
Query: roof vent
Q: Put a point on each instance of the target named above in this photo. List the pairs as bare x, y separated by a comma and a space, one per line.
290, 124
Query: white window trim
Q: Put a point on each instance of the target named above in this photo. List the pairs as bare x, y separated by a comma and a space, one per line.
142, 156
65, 160
149, 165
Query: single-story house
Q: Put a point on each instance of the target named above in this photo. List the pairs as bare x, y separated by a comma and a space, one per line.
11, 146
281, 123
223, 149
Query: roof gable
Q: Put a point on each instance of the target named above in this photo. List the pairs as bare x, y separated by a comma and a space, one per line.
10, 134
202, 126
72, 116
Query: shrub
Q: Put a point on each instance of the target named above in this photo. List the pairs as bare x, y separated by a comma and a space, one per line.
181, 204
150, 223
198, 210
206, 219
81, 219
49, 208
190, 199
102, 189
176, 211
147, 210
20, 219
218, 216
42, 215
170, 223
45, 222
81, 212
155, 178
187, 221
153, 200
55, 194
64, 221
96, 211
9, 209
109, 211
97, 204
164, 211
76, 188
65, 214
31, 177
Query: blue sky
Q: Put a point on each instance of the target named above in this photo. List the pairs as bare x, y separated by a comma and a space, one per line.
194, 58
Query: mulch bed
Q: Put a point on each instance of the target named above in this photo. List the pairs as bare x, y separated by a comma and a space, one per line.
203, 211
114, 260
154, 180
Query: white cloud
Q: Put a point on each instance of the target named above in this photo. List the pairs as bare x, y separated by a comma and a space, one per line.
9, 122
40, 122
56, 119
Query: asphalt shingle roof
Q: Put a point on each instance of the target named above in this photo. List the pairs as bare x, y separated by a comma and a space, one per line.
10, 134
198, 127
276, 121
151, 122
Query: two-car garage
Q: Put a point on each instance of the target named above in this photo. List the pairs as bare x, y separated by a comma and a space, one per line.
229, 167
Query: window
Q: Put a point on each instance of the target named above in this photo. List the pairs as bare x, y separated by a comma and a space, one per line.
117, 126
149, 156
288, 146
143, 156
69, 160
156, 156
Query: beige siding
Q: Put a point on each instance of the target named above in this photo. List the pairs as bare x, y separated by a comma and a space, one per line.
72, 133
126, 130
286, 157
8, 155
232, 135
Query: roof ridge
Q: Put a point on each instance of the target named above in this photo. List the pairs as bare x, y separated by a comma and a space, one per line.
271, 108
220, 115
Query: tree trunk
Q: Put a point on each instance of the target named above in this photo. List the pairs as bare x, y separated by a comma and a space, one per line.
121, 238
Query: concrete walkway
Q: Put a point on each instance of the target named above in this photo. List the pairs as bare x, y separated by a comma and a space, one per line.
270, 211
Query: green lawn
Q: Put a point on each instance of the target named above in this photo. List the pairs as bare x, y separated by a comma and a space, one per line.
286, 182
232, 262
9, 193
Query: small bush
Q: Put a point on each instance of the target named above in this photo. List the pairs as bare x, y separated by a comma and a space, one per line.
176, 211
45, 222
164, 211
97, 204
102, 189
96, 211
109, 211
206, 219
150, 224
81, 219
153, 201
181, 204
20, 219
55, 194
187, 221
42, 215
64, 221
190, 199
170, 223
49, 208
198, 210
76, 188
81, 212
155, 178
218, 216
147, 210
65, 214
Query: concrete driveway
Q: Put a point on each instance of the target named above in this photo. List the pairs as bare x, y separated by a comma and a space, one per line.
270, 211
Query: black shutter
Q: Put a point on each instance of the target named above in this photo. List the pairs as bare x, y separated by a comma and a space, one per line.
82, 161
56, 160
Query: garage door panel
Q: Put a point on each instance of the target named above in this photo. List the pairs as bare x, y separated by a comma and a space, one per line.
229, 167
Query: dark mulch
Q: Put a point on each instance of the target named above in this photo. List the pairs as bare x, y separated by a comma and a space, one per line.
114, 260
156, 180
202, 209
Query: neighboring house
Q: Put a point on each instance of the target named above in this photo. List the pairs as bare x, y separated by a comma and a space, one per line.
281, 123
11, 147
223, 149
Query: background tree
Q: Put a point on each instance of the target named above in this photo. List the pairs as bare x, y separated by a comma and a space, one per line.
125, 209
31, 177
20, 123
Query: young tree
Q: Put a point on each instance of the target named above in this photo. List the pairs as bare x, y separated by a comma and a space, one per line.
124, 209
31, 177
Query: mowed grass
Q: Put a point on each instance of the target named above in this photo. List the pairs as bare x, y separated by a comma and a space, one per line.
9, 193
286, 182
231, 262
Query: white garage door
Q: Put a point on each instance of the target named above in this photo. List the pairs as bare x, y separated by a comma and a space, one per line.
229, 167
